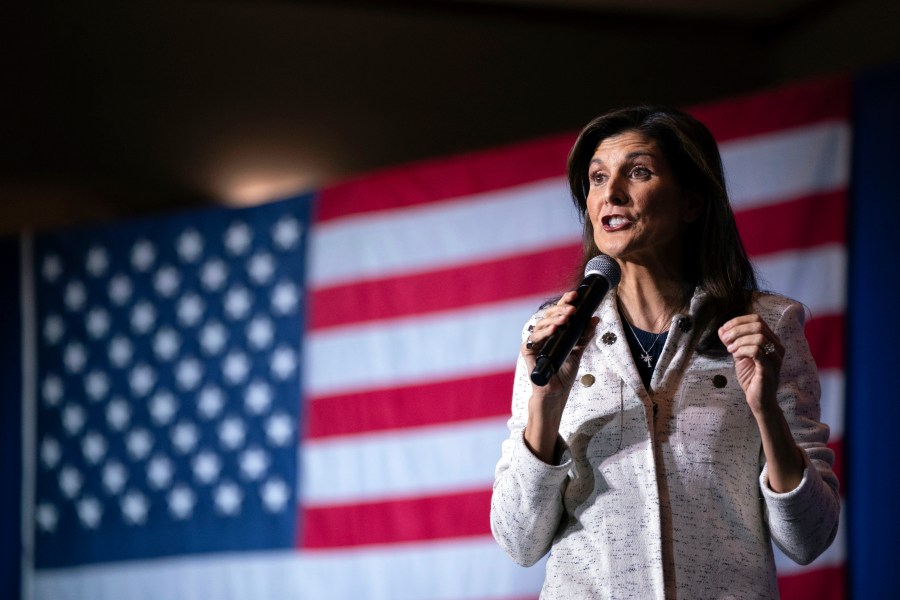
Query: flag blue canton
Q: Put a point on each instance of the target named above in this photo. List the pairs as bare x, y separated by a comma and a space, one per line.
169, 385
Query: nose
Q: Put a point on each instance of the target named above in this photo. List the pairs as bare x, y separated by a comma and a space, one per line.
613, 191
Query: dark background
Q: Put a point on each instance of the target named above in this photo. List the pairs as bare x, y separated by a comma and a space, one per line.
120, 108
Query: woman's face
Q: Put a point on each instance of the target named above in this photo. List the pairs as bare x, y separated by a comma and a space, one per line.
635, 205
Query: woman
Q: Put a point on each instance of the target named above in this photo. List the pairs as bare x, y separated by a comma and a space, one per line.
681, 436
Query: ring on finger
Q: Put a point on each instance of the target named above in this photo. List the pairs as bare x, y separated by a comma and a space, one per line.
768, 348
529, 343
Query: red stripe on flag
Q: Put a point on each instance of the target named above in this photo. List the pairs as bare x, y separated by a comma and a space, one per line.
484, 396
545, 272
837, 446
411, 406
505, 167
826, 340
827, 583
801, 223
445, 179
457, 515
826, 99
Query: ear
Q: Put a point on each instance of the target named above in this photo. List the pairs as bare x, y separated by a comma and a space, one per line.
693, 207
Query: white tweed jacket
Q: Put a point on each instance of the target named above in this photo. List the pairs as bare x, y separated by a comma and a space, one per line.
664, 495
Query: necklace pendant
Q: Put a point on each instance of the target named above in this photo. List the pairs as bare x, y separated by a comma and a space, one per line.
647, 359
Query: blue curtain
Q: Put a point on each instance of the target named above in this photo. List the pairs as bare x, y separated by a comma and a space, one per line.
872, 477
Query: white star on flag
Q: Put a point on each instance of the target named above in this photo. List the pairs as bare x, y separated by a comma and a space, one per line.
143, 255
238, 238
190, 246
97, 261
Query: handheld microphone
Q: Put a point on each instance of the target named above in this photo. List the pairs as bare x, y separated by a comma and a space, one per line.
600, 275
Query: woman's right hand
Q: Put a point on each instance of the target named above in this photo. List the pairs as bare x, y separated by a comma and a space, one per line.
547, 402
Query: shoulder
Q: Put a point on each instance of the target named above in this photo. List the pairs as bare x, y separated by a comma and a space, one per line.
776, 305
780, 312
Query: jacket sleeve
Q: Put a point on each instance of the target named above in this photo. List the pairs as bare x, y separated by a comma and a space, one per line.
803, 521
526, 505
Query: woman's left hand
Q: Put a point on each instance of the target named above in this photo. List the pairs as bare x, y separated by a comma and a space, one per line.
758, 354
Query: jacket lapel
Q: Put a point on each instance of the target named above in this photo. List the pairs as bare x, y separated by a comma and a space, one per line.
613, 346
678, 347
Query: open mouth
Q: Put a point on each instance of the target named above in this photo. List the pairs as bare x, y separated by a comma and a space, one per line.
614, 222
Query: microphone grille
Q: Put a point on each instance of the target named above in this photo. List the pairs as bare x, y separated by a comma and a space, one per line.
606, 267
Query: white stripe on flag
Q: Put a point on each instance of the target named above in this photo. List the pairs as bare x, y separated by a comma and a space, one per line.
441, 459
833, 401
771, 168
762, 170
451, 570
416, 462
483, 339
442, 234
815, 277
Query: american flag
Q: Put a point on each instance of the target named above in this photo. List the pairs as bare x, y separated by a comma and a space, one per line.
307, 399
167, 389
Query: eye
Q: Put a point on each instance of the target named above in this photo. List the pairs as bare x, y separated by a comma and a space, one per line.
640, 172
597, 177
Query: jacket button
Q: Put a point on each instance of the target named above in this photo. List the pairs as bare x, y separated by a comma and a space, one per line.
587, 380
609, 338
719, 381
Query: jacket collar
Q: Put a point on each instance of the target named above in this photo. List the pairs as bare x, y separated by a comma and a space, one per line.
613, 346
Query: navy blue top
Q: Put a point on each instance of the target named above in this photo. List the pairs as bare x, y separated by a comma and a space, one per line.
647, 339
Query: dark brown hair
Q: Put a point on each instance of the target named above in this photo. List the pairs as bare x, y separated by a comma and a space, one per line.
714, 257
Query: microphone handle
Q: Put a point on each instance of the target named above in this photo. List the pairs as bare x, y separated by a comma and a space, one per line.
560, 344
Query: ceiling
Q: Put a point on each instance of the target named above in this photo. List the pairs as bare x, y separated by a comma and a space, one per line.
737, 9
117, 108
